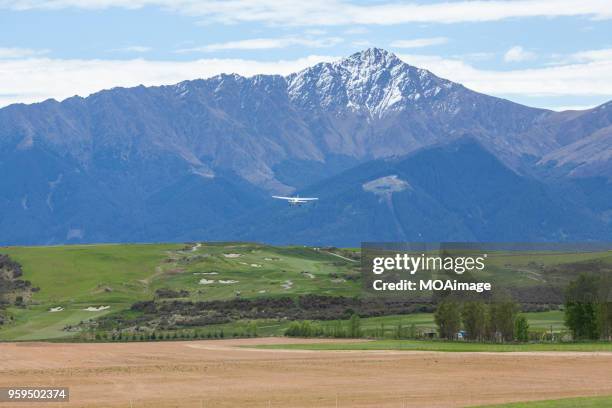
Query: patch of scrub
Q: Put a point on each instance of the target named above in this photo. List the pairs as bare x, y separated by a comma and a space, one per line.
206, 281
386, 185
232, 255
228, 282
56, 309
96, 309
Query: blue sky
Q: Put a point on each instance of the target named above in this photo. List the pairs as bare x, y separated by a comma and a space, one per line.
546, 53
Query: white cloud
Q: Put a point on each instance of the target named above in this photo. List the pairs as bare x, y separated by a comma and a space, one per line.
475, 56
356, 31
315, 31
518, 54
361, 43
14, 52
134, 48
419, 42
265, 43
344, 12
592, 55
37, 79
578, 79
570, 107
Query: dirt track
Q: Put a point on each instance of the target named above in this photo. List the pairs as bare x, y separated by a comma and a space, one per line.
217, 374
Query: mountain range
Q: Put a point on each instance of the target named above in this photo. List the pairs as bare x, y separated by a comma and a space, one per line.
393, 151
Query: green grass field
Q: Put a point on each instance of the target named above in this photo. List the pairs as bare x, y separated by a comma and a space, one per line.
371, 326
586, 402
77, 277
446, 346
80, 276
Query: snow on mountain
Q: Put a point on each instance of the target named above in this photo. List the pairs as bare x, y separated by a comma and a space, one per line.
373, 81
168, 162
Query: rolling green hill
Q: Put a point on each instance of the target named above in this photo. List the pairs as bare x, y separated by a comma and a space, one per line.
85, 282
77, 277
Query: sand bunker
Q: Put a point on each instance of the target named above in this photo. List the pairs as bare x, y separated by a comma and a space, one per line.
96, 309
308, 275
229, 281
232, 255
206, 273
287, 284
256, 265
56, 309
206, 281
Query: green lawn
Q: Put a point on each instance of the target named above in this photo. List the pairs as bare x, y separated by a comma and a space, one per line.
587, 402
79, 276
75, 277
370, 325
447, 346
260, 270
425, 321
90, 273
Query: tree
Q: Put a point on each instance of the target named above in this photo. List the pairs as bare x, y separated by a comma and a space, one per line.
399, 331
474, 316
581, 310
521, 329
252, 328
605, 307
502, 316
604, 321
412, 331
448, 319
302, 329
354, 326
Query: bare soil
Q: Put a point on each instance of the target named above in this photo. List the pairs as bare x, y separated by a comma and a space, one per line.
218, 373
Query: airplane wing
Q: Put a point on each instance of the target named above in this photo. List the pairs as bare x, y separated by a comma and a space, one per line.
307, 198
283, 198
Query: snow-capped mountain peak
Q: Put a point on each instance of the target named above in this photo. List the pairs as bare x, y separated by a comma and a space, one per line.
373, 82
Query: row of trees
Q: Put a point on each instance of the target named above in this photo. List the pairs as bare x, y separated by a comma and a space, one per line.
495, 321
249, 330
307, 328
588, 307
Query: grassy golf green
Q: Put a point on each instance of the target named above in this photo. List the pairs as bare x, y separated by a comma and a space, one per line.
114, 276
76, 277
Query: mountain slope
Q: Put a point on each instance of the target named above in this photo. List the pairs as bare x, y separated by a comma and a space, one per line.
456, 192
172, 162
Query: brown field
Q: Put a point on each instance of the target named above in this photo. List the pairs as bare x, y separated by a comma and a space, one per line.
217, 374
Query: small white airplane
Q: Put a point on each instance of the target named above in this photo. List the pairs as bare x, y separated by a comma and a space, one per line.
297, 200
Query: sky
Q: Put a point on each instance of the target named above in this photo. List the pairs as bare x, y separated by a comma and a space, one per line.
554, 54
